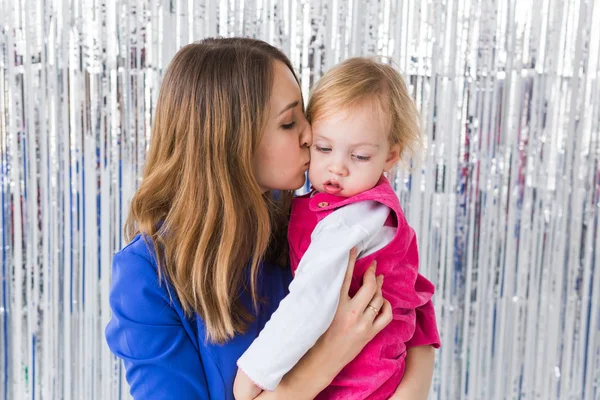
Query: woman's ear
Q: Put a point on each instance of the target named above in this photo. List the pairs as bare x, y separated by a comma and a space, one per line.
392, 157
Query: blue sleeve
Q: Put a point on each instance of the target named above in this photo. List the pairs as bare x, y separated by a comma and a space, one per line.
148, 333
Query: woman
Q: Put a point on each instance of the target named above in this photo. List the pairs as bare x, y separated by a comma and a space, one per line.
201, 274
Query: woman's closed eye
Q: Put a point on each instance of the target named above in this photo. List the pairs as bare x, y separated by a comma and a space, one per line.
289, 126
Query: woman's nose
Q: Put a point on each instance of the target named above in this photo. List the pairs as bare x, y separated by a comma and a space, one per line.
306, 136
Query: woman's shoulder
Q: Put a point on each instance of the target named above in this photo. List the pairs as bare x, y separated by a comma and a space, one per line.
136, 259
140, 246
135, 277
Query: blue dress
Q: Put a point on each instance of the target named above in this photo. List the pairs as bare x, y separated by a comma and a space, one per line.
165, 354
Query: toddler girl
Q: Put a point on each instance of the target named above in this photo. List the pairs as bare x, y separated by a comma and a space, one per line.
363, 120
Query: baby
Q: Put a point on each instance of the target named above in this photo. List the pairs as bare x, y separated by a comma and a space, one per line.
363, 120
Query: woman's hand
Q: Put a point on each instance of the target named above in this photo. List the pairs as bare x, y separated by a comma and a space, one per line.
357, 320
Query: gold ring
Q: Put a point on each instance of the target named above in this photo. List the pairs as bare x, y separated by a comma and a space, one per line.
374, 309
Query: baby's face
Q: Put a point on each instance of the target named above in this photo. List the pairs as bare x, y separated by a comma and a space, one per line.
350, 151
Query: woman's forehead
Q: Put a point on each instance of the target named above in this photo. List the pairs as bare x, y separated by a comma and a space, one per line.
285, 88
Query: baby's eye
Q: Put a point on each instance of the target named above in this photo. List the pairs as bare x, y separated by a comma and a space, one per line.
362, 158
322, 149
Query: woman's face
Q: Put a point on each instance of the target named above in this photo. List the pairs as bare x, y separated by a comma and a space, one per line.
283, 157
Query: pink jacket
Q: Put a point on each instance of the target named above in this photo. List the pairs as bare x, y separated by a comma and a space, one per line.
376, 372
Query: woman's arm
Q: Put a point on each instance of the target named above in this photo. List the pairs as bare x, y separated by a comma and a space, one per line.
417, 374
146, 332
353, 326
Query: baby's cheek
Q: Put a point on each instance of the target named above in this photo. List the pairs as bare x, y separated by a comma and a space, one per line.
312, 175
317, 170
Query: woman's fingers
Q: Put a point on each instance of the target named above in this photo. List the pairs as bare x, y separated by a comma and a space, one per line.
384, 317
349, 271
367, 290
376, 302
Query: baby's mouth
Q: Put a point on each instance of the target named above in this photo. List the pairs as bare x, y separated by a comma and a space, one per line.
332, 187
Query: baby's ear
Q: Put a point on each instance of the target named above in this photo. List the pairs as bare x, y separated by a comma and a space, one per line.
392, 157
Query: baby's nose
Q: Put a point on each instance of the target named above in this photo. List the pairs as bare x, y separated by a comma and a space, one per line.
338, 169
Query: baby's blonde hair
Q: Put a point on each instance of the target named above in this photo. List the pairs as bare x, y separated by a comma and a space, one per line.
356, 80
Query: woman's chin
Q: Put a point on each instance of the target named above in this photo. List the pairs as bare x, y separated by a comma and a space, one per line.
295, 184
299, 185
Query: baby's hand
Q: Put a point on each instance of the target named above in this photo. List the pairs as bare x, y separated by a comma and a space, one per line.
244, 388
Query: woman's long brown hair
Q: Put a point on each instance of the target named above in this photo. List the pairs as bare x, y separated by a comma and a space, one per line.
199, 201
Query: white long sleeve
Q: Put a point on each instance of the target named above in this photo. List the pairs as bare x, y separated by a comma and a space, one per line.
307, 311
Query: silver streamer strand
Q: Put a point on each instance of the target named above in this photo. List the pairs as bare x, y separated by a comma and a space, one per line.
505, 201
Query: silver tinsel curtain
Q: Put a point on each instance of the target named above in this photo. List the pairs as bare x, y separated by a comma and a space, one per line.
505, 202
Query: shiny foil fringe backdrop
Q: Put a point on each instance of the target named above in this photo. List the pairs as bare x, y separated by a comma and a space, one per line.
505, 201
